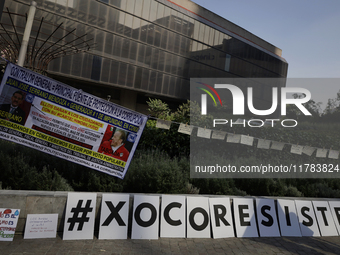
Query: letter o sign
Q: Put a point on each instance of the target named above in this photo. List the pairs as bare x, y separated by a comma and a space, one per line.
152, 219
192, 220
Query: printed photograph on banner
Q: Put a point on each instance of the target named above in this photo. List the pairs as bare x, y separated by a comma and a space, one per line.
296, 149
115, 143
321, 153
15, 104
333, 154
308, 150
52, 117
164, 124
220, 135
277, 146
232, 138
203, 132
263, 144
185, 129
247, 140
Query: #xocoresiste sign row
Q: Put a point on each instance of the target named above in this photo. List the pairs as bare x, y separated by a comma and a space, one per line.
180, 216
198, 217
52, 117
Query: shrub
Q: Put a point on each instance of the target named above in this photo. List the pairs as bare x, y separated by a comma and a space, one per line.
155, 172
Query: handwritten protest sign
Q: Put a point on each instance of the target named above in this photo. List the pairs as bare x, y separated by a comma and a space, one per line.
41, 226
8, 223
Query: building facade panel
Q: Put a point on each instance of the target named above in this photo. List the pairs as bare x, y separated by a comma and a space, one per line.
148, 47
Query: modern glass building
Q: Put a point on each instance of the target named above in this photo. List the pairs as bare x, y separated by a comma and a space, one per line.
147, 48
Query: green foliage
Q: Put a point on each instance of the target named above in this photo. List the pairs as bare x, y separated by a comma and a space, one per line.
159, 109
156, 172
16, 173
169, 141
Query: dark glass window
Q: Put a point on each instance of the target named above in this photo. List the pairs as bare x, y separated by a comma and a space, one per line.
115, 3
153, 11
151, 34
125, 48
102, 16
144, 31
122, 74
96, 68
172, 85
165, 88
159, 82
66, 64
154, 59
171, 41
112, 19
145, 79
157, 36
114, 72
128, 25
130, 76
148, 54
93, 13
152, 83
174, 64
164, 39
82, 10
133, 51
141, 53
136, 28
168, 58
87, 66
138, 77
76, 65
105, 70
117, 48
99, 40
161, 60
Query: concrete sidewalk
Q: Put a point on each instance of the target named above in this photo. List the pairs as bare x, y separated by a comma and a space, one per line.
261, 245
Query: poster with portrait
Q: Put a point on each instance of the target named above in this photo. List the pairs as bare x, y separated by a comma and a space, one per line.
52, 117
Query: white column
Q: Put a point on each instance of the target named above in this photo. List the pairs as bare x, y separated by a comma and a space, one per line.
27, 33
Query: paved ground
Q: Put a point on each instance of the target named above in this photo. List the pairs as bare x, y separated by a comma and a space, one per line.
267, 246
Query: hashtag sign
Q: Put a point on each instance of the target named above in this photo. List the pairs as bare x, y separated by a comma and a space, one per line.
83, 218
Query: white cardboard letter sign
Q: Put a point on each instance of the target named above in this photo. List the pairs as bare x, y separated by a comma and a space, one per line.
145, 220
173, 216
325, 219
114, 216
221, 218
288, 219
307, 220
80, 215
244, 215
198, 217
266, 217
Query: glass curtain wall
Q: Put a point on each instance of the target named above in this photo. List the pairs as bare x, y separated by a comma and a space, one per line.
147, 46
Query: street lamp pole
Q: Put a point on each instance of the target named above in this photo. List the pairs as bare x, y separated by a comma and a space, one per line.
27, 33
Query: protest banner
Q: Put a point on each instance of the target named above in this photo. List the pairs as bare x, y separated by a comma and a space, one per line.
52, 117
